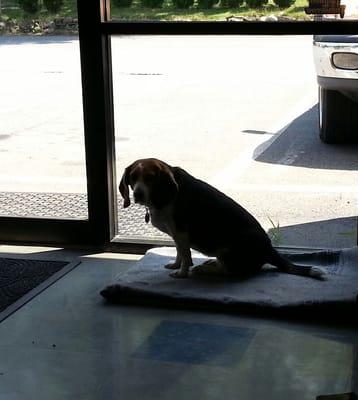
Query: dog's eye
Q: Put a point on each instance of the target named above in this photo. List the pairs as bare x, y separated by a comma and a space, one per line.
133, 178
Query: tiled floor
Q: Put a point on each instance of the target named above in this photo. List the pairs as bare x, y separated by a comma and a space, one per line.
67, 343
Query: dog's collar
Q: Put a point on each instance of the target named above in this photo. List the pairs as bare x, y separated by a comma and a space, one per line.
147, 215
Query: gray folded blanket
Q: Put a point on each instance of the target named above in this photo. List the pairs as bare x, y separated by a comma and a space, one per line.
269, 292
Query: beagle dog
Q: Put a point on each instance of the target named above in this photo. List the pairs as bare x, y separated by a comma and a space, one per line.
198, 216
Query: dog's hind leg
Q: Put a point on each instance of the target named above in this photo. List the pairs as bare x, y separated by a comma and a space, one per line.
242, 264
210, 267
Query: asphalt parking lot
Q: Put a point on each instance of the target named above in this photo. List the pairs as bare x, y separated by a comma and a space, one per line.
239, 112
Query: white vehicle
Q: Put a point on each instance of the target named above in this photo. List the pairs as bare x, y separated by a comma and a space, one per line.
336, 62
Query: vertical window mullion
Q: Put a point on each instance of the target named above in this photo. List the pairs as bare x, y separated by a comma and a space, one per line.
98, 118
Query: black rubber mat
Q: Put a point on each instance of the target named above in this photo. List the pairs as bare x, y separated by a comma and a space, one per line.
19, 276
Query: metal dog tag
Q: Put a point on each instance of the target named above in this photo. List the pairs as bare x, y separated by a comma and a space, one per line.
146, 218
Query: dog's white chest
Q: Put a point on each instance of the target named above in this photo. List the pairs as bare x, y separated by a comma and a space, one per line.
162, 220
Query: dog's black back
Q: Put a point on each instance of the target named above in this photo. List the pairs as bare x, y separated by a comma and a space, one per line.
216, 224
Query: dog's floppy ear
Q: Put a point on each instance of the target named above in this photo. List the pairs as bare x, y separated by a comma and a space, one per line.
166, 188
124, 187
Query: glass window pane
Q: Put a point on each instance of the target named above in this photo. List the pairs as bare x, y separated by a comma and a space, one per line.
233, 10
42, 169
240, 113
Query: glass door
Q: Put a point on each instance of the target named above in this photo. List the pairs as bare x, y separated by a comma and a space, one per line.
43, 173
240, 113
43, 166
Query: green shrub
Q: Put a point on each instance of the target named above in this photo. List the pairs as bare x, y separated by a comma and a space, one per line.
30, 6
152, 3
284, 3
53, 6
122, 3
231, 3
183, 3
207, 3
256, 3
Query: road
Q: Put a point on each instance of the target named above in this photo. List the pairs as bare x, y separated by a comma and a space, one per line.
239, 112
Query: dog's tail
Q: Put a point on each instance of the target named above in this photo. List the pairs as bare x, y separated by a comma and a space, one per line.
286, 266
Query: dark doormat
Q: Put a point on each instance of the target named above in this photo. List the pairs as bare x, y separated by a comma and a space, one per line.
269, 292
22, 279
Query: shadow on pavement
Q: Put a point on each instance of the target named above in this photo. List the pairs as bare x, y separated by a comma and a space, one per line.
299, 145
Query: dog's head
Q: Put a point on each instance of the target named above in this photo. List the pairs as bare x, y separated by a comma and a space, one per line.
152, 182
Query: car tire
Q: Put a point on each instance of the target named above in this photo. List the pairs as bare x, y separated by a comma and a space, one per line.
337, 114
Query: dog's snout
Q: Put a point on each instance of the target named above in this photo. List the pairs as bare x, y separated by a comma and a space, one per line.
138, 195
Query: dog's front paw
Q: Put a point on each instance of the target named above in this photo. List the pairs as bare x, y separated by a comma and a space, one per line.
172, 266
179, 274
